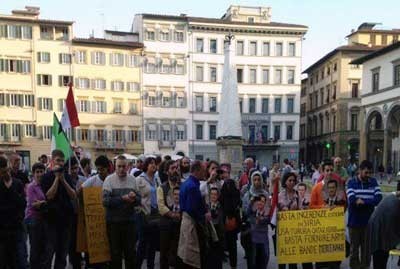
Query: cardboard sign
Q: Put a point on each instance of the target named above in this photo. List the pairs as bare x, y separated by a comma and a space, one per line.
311, 236
96, 232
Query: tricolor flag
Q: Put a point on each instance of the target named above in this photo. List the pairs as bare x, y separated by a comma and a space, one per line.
69, 118
59, 140
274, 203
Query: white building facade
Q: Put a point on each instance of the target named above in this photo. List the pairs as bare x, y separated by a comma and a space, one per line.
268, 60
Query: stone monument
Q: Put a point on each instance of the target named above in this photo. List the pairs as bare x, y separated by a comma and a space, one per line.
229, 130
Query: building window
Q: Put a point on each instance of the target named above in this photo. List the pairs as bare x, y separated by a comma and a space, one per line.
44, 80
199, 131
43, 57
354, 122
278, 104
334, 93
117, 86
264, 105
253, 48
132, 136
199, 73
98, 58
265, 76
290, 105
47, 104
117, 59
164, 36
250, 19
266, 49
375, 81
47, 133
152, 100
213, 46
83, 135
322, 96
133, 108
241, 105
239, 47
290, 77
166, 100
99, 84
303, 110
213, 104
30, 130
150, 35
289, 132
65, 58
396, 75
133, 61
180, 102
118, 107
253, 76
279, 49
252, 134
354, 90
278, 76
166, 135
82, 83
84, 106
334, 67
178, 36
239, 75
213, 132
151, 132
26, 32
199, 103
64, 81
199, 45
180, 69
252, 105
264, 133
29, 100
277, 132
15, 100
46, 32
80, 57
302, 131
180, 132
213, 74
292, 49
100, 107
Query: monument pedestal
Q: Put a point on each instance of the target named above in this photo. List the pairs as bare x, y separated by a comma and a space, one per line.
230, 151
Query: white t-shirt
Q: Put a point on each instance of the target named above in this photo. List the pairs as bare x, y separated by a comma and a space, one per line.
93, 181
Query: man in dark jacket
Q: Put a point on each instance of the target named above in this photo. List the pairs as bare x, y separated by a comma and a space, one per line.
12, 206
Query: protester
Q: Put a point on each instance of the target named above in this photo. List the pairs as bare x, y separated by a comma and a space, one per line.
16, 172
273, 174
192, 249
184, 168
256, 189
120, 197
383, 231
36, 205
102, 167
302, 171
12, 201
213, 180
316, 173
381, 173
139, 166
216, 245
258, 212
86, 168
230, 203
389, 172
43, 159
170, 216
340, 170
60, 192
363, 194
248, 164
148, 235
287, 167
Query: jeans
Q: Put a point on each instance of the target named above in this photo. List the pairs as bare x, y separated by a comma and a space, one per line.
260, 255
59, 235
22, 248
122, 239
8, 249
75, 258
380, 259
231, 245
147, 246
37, 241
357, 243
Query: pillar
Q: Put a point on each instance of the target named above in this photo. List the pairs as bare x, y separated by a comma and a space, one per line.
385, 155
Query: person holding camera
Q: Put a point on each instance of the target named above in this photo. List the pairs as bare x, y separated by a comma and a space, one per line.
12, 200
36, 205
213, 181
60, 192
170, 216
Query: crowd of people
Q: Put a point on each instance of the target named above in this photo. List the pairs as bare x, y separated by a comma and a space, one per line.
192, 212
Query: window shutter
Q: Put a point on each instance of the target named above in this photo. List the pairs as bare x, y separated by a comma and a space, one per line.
39, 57
19, 129
105, 135
105, 107
78, 134
51, 104
34, 130
19, 66
21, 100
89, 107
40, 104
60, 58
38, 79
2, 67
60, 82
111, 57
50, 80
2, 99
78, 107
6, 131
92, 57
139, 137
113, 135
7, 99
185, 133
103, 58
94, 135
6, 65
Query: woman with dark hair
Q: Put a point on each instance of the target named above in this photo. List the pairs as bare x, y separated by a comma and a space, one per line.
148, 236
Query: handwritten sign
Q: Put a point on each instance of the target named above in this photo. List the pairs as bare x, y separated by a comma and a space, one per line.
96, 233
311, 236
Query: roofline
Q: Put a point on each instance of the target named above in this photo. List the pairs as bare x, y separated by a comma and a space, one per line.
121, 32
364, 31
44, 21
333, 52
376, 53
107, 43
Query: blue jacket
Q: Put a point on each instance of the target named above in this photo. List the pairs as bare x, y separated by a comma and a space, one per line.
190, 200
370, 192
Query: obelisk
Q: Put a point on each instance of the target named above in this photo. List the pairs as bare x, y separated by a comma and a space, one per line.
229, 131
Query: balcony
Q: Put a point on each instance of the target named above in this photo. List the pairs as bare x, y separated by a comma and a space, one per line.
110, 144
262, 143
166, 144
10, 141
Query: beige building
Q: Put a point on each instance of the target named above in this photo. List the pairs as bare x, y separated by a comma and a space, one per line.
38, 58
331, 100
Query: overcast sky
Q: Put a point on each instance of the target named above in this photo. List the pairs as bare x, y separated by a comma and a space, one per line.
329, 21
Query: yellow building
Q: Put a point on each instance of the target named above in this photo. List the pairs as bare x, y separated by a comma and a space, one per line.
38, 58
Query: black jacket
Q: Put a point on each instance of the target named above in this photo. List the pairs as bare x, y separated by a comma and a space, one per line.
12, 206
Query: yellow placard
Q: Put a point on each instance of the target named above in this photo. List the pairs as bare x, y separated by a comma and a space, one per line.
96, 233
81, 244
311, 236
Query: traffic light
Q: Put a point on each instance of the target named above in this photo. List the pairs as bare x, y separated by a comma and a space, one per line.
348, 146
328, 145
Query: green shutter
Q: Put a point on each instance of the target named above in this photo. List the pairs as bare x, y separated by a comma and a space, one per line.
39, 57
38, 79
19, 66
50, 80
2, 65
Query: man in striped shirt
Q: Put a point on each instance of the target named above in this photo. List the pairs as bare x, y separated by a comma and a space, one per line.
363, 194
